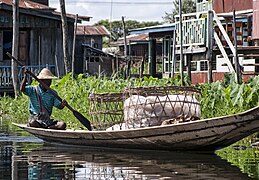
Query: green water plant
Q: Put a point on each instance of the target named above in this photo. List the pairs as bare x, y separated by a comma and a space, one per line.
218, 99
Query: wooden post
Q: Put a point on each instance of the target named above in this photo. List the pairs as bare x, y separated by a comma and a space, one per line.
189, 71
15, 45
124, 36
117, 64
14, 162
237, 66
181, 43
129, 61
56, 58
84, 60
141, 69
74, 46
173, 54
210, 45
125, 48
65, 36
152, 57
249, 31
113, 66
110, 21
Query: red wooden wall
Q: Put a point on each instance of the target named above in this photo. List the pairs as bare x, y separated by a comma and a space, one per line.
222, 6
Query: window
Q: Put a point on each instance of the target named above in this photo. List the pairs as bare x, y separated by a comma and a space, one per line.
177, 66
204, 65
194, 66
7, 43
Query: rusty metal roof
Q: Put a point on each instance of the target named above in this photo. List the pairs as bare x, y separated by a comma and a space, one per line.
73, 16
27, 4
92, 30
134, 37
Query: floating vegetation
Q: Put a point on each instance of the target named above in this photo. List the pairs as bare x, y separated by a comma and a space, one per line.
218, 98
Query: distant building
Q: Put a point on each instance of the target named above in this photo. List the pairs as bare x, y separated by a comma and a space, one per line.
202, 61
149, 44
40, 37
90, 58
89, 55
137, 45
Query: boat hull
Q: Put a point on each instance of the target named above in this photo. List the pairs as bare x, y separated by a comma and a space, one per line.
203, 135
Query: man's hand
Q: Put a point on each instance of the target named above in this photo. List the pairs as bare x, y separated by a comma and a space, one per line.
24, 81
63, 103
25, 71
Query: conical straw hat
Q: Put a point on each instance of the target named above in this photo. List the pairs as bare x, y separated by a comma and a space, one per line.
45, 74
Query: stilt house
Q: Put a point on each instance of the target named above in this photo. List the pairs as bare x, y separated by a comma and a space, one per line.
40, 38
213, 40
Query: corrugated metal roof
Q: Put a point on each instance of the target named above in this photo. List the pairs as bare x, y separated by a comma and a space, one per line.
97, 51
92, 30
153, 29
134, 37
73, 16
27, 4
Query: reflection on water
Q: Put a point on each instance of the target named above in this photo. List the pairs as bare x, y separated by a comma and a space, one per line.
27, 157
48, 162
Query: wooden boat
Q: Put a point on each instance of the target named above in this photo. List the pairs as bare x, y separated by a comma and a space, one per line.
202, 135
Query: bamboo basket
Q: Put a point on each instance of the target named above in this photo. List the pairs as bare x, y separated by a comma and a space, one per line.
143, 106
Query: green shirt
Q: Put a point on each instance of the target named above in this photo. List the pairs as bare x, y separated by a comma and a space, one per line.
48, 100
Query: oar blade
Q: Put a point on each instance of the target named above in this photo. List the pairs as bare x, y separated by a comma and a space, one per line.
83, 120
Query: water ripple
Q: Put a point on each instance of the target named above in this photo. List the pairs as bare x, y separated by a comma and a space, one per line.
29, 139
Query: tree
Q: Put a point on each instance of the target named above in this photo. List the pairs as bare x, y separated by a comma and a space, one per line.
188, 6
116, 28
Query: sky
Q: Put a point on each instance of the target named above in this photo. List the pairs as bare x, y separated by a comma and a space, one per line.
140, 10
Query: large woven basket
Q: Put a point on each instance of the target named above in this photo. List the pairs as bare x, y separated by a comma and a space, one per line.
142, 106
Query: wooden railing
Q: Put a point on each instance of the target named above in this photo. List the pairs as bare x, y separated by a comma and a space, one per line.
194, 32
203, 5
6, 74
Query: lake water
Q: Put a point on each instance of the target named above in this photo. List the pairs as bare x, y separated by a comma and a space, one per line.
23, 156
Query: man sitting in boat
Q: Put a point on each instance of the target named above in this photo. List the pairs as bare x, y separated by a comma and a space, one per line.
42, 102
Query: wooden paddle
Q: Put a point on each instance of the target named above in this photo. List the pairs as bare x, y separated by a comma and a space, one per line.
79, 116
